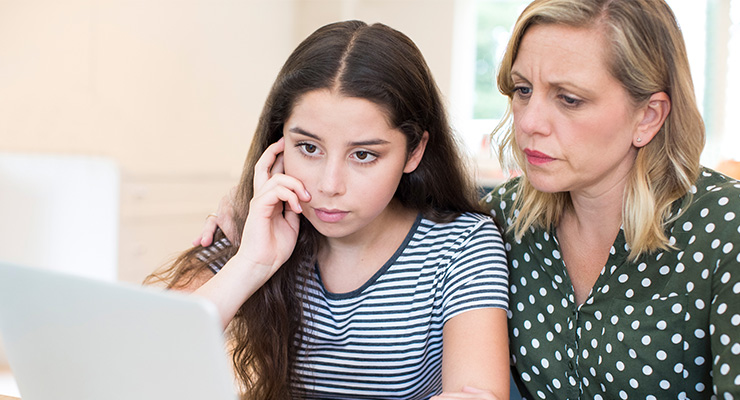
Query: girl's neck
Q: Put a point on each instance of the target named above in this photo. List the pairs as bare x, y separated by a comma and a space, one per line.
347, 263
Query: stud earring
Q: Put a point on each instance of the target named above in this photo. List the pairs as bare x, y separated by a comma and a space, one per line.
639, 140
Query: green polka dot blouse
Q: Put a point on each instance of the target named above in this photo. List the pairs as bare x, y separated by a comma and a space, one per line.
664, 327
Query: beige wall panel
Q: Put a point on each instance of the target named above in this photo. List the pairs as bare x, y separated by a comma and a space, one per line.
181, 84
45, 75
160, 216
160, 86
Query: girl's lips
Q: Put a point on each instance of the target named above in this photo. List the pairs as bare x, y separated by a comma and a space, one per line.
536, 158
330, 215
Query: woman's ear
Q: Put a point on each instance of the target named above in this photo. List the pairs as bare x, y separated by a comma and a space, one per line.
654, 114
416, 155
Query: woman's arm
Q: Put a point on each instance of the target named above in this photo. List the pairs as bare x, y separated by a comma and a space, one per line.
724, 318
223, 218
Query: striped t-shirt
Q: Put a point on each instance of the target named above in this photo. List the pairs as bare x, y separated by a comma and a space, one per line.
384, 340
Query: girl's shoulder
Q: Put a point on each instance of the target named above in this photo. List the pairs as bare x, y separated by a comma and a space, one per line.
463, 226
463, 220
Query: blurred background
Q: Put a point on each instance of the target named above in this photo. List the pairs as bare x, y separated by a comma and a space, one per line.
166, 94
123, 122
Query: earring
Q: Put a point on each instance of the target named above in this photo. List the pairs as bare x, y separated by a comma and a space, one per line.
639, 140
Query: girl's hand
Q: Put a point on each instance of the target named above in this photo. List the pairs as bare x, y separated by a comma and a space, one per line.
224, 216
467, 393
270, 235
271, 228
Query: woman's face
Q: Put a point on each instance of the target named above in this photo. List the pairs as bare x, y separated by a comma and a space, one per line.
349, 159
574, 121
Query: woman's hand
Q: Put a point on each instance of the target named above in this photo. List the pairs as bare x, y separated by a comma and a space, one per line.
223, 218
467, 393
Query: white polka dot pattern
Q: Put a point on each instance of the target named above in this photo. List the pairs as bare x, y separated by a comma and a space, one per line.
664, 327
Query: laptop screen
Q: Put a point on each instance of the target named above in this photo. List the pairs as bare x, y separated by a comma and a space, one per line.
68, 337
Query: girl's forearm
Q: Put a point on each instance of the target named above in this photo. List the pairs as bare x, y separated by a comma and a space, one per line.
233, 285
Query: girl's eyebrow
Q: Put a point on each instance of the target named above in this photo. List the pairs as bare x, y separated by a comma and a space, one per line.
372, 142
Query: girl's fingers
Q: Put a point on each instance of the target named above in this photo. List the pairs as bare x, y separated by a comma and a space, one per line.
277, 166
293, 220
282, 189
289, 182
264, 166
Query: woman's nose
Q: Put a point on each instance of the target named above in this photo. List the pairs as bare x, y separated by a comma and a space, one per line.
532, 118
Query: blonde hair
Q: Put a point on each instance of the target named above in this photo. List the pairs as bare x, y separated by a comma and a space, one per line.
646, 55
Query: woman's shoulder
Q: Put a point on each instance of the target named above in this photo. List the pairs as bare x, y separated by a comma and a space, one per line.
714, 188
502, 192
711, 181
714, 199
500, 200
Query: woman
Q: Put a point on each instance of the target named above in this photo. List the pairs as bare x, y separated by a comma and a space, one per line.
623, 250
366, 269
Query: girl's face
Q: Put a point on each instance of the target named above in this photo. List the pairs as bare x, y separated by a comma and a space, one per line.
574, 121
349, 159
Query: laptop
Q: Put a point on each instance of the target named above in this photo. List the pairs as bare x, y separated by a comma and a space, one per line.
73, 338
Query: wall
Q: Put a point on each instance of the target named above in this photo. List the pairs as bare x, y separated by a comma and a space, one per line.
170, 90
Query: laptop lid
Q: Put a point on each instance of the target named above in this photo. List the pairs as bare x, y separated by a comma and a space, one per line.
69, 337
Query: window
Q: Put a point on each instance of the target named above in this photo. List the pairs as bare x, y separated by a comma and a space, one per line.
713, 45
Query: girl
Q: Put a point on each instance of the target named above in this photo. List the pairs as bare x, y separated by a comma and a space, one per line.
363, 268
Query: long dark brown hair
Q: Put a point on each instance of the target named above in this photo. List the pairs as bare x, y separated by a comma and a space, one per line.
372, 62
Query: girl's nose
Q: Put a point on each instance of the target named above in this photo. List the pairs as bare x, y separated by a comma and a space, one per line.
332, 181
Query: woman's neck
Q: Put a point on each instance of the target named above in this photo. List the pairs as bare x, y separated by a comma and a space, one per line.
586, 233
598, 210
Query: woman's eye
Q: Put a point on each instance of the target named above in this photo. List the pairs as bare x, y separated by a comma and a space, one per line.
522, 91
570, 101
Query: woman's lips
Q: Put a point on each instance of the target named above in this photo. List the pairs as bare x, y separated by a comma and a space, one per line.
536, 158
330, 215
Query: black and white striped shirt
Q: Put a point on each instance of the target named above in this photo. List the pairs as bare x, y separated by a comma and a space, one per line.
384, 340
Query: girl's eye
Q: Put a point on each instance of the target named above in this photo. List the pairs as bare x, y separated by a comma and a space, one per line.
308, 148
365, 156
